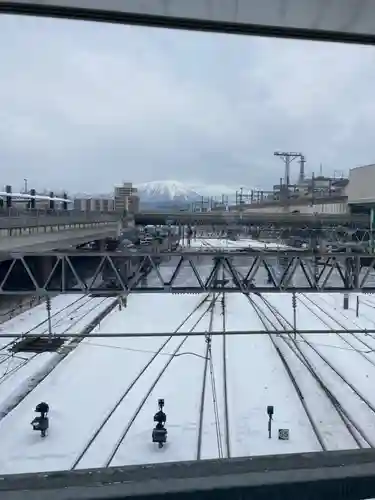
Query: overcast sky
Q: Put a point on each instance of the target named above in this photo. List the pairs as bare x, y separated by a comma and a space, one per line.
85, 105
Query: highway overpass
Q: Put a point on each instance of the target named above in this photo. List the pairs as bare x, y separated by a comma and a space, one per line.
350, 21
44, 242
256, 218
18, 222
329, 475
40, 231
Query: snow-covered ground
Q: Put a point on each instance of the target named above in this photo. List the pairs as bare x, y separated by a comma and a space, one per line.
103, 396
219, 243
69, 314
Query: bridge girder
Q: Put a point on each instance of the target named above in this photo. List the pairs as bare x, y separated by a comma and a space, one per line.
336, 21
250, 271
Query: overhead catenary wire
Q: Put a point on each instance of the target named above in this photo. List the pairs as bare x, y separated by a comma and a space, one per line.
204, 379
268, 324
73, 339
16, 337
147, 395
225, 388
215, 405
213, 389
351, 425
228, 333
119, 401
309, 306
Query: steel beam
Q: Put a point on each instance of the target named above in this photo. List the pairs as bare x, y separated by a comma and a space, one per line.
110, 274
256, 218
191, 252
338, 21
347, 474
229, 333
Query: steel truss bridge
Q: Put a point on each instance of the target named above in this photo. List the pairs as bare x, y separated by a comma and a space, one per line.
191, 271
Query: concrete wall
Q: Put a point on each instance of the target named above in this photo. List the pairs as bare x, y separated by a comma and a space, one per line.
323, 208
361, 188
275, 209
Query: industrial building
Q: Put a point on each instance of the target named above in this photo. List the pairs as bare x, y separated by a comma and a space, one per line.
94, 204
361, 189
316, 195
126, 198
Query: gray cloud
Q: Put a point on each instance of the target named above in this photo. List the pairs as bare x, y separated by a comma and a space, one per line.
83, 106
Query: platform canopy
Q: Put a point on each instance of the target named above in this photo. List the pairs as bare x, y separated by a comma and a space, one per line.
351, 21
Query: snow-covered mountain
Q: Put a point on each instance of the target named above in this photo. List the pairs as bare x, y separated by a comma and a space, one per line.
166, 191
177, 193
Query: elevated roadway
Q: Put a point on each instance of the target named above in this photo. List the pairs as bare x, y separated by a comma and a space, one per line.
41, 231
259, 218
311, 476
350, 21
16, 222
59, 240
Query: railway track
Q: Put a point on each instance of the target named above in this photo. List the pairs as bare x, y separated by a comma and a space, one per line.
309, 304
81, 301
123, 398
204, 379
270, 326
225, 378
67, 345
355, 429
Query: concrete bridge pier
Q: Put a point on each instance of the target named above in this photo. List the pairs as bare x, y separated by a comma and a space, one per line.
101, 245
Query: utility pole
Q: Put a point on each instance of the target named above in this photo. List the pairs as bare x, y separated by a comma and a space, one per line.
241, 203
372, 214
302, 162
287, 158
48, 307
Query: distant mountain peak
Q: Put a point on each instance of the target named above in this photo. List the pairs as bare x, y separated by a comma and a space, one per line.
169, 190
170, 193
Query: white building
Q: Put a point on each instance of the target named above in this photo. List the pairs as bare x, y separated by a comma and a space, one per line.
125, 198
94, 204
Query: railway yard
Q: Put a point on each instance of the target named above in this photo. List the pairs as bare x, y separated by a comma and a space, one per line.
103, 391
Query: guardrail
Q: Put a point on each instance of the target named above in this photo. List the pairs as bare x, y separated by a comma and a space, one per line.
13, 211
43, 218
